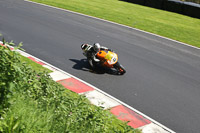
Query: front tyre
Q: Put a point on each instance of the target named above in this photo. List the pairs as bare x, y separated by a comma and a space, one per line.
120, 69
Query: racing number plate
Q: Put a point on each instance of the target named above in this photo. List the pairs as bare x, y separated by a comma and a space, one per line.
114, 59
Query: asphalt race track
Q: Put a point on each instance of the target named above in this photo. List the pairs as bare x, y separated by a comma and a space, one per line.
163, 76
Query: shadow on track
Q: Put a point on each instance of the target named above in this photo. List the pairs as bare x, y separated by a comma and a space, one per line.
84, 65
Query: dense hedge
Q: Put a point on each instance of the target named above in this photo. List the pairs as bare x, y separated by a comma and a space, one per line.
33, 102
194, 1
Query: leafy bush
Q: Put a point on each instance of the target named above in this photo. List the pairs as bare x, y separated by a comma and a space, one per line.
33, 102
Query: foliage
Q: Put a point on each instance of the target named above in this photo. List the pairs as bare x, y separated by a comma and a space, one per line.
33, 102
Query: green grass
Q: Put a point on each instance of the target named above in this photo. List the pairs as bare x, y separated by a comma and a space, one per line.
37, 67
175, 26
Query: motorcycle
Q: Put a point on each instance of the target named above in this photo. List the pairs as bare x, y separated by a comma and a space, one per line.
108, 59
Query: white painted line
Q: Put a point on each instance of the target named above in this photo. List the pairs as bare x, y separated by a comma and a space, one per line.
100, 99
56, 76
113, 23
23, 53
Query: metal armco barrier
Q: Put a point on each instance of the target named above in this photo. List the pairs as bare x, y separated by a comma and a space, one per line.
173, 6
155, 3
185, 8
140, 2
191, 9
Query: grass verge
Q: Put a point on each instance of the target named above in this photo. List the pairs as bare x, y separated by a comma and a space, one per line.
175, 26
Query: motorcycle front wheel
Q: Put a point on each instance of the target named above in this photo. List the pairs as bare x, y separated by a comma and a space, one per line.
121, 70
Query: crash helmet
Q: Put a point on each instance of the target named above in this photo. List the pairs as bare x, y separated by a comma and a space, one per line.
84, 46
96, 47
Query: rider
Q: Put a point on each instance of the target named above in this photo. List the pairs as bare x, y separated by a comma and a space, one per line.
94, 50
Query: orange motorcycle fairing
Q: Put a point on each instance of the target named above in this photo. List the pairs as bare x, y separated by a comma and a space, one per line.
108, 58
